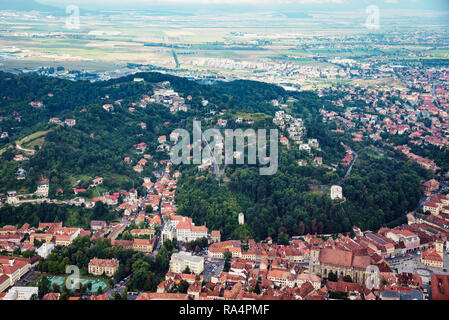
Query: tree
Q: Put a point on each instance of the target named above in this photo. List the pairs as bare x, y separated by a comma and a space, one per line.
149, 209
187, 270
332, 277
125, 294
283, 239
56, 287
183, 286
347, 278
44, 286
257, 289
227, 263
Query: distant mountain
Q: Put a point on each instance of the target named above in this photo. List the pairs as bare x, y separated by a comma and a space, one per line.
28, 5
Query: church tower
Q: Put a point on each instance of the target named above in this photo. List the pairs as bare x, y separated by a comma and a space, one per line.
314, 261
439, 246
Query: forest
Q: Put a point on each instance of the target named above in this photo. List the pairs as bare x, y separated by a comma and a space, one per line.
378, 192
72, 216
295, 201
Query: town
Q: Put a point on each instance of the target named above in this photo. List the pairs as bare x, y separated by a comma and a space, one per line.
408, 262
94, 206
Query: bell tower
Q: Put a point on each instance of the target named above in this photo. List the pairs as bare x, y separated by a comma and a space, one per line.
439, 246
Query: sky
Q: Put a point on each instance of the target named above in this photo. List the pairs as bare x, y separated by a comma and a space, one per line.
306, 5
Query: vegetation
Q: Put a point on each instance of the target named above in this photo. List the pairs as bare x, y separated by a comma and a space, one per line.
72, 216
147, 271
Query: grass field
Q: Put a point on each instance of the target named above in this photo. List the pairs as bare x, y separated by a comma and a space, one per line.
32, 137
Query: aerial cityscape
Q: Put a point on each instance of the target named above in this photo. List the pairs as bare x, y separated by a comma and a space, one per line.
224, 150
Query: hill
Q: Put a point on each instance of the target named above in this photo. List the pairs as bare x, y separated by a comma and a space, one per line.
294, 201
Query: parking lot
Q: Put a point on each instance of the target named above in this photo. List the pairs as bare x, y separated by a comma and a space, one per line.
28, 278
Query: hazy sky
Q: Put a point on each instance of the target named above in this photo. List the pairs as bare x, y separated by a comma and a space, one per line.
440, 5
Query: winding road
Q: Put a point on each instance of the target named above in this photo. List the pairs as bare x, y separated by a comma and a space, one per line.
352, 164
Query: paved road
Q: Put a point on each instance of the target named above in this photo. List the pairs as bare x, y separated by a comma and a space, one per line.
352, 164
158, 245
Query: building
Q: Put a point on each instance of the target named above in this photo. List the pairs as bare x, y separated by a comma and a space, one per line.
241, 218
96, 225
434, 257
45, 249
99, 267
51, 296
70, 122
12, 198
282, 278
217, 250
399, 295
431, 207
314, 280
21, 293
430, 186
336, 192
42, 188
431, 258
215, 236
340, 262
4, 282
45, 237
14, 268
181, 260
440, 287
143, 232
163, 296
143, 245
410, 240
183, 229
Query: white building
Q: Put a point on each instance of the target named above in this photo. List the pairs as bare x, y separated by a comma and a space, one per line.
336, 192
181, 260
241, 218
11, 198
314, 143
21, 293
183, 229
45, 249
305, 146
42, 189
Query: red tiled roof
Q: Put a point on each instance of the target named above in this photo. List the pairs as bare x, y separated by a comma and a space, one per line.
162, 296
104, 262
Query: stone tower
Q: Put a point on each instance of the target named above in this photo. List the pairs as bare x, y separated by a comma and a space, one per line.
241, 218
439, 244
314, 261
